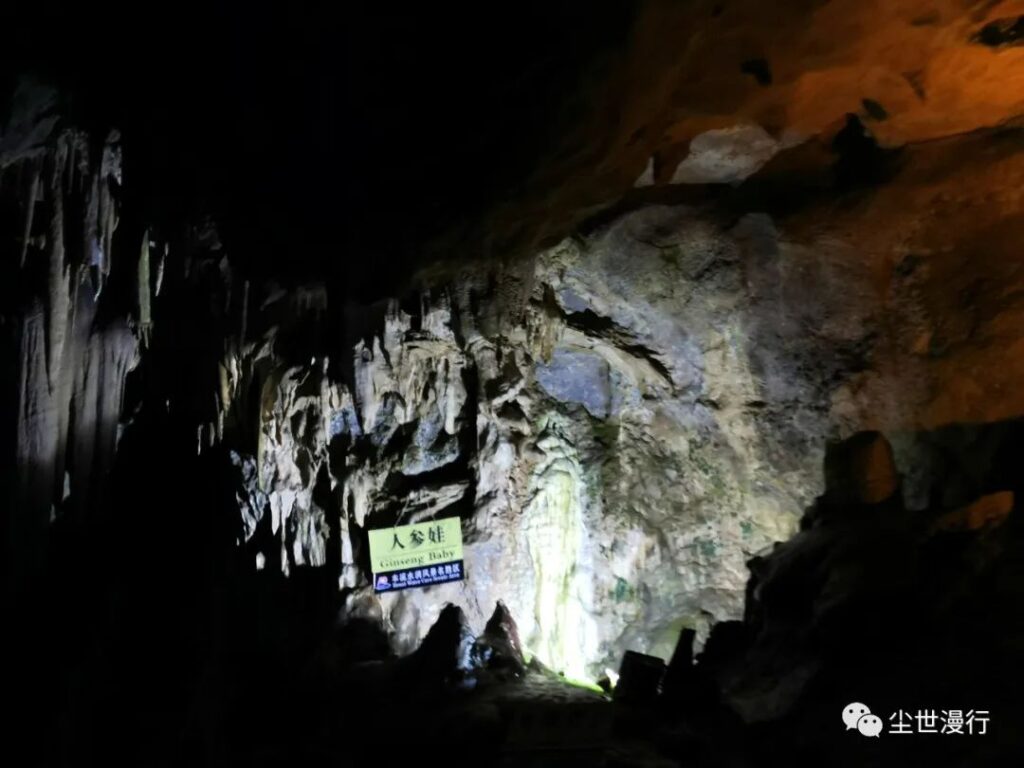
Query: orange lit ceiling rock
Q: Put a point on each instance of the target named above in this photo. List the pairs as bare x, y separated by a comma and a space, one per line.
941, 244
913, 70
757, 91
728, 84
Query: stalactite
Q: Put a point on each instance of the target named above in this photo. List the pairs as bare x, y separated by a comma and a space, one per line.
32, 197
245, 314
71, 361
160, 269
111, 352
58, 289
145, 300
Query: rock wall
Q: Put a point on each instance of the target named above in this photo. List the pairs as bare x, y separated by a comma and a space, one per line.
621, 424
621, 421
69, 343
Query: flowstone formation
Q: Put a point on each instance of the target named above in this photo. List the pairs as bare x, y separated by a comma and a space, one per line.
619, 423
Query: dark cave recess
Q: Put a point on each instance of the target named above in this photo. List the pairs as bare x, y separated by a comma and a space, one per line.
322, 132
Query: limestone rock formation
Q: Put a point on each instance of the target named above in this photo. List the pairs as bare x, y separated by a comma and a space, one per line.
621, 423
853, 607
750, 231
603, 440
68, 345
499, 649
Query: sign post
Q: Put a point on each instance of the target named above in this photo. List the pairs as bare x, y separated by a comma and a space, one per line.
416, 555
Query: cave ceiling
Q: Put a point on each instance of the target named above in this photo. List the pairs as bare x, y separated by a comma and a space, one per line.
445, 136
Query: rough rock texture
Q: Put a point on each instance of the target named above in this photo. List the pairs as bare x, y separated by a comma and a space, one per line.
708, 92
498, 649
823, 239
604, 439
916, 70
621, 425
67, 348
621, 422
624, 420
870, 602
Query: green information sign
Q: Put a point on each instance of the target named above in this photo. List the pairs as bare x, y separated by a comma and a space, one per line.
416, 555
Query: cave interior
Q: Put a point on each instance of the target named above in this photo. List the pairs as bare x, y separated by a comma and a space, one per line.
685, 337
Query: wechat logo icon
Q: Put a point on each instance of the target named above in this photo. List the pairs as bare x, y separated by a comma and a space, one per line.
858, 717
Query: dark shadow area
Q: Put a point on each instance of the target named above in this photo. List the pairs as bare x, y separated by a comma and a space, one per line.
309, 129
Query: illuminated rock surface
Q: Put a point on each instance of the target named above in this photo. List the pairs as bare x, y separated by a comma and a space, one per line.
613, 308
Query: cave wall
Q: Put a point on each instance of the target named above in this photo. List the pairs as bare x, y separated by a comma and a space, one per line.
621, 421
69, 340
